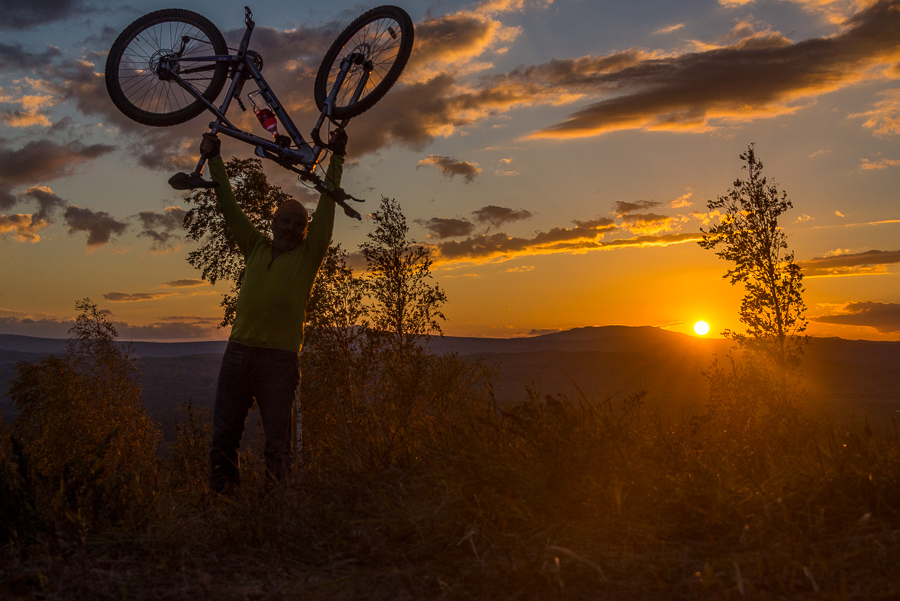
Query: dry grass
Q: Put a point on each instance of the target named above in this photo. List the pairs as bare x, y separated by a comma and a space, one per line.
547, 499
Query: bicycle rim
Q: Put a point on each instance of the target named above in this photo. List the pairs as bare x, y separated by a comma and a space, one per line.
383, 36
134, 82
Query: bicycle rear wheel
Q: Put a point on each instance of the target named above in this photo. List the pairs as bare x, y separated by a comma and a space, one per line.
384, 36
138, 87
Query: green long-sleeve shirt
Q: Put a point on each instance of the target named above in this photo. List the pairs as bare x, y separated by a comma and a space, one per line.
271, 306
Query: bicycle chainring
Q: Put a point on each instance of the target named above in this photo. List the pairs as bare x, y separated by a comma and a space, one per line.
257, 58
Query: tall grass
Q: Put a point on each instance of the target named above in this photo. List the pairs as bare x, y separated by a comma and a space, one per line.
434, 492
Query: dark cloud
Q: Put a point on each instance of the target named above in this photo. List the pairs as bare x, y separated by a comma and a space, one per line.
162, 228
627, 208
177, 330
758, 77
583, 236
884, 317
40, 161
47, 201
172, 328
82, 84
496, 216
14, 57
24, 15
100, 227
850, 263
129, 297
447, 228
26, 326
451, 167
184, 284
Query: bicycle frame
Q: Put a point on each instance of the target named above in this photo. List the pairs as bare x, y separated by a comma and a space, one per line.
243, 68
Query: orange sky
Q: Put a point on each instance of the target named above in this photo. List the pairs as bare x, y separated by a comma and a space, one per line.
556, 156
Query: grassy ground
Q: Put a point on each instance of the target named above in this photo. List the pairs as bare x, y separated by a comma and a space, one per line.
548, 499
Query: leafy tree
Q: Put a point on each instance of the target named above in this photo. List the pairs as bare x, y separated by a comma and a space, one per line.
218, 257
81, 421
406, 306
749, 236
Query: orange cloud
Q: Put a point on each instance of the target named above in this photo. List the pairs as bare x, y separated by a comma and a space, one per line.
586, 236
867, 165
22, 227
872, 261
695, 92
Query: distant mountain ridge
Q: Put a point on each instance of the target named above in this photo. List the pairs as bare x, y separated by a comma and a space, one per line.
57, 346
843, 376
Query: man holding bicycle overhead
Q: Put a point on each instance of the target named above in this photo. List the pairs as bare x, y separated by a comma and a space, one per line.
261, 360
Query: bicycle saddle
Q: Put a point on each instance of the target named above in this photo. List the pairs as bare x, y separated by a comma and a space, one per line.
190, 181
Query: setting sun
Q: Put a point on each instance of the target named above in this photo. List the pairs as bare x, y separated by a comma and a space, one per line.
701, 328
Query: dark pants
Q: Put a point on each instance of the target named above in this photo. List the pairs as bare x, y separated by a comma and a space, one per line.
270, 377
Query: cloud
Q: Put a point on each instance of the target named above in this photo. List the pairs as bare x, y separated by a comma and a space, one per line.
25, 15
168, 328
645, 223
622, 208
758, 77
15, 57
22, 227
682, 201
47, 201
175, 330
99, 226
872, 261
162, 228
446, 227
40, 161
130, 297
42, 327
884, 317
867, 165
669, 29
496, 216
884, 119
184, 283
451, 167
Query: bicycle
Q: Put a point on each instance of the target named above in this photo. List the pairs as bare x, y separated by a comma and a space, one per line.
170, 65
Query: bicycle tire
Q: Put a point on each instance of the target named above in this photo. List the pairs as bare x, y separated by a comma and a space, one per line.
133, 82
376, 32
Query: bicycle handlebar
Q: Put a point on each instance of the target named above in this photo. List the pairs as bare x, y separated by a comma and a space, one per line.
338, 195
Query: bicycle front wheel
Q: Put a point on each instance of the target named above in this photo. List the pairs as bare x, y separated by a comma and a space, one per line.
147, 93
381, 37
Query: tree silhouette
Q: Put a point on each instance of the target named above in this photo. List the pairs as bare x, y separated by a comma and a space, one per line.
749, 236
81, 421
406, 307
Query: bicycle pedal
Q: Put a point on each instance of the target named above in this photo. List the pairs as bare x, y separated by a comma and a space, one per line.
185, 181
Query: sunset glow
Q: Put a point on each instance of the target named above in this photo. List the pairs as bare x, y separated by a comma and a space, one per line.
558, 184
701, 328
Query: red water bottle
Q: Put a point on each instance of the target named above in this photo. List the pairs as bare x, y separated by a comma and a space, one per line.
265, 115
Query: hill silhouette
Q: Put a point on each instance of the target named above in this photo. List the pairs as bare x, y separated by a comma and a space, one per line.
843, 377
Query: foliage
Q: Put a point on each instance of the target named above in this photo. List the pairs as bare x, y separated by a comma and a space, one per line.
367, 381
749, 236
81, 427
406, 306
768, 379
218, 257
